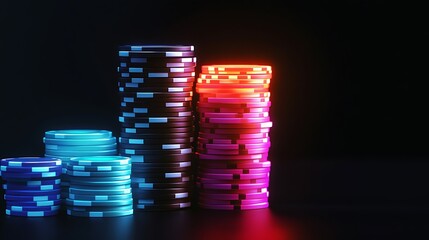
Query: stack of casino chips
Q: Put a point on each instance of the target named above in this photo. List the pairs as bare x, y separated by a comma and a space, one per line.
99, 187
156, 116
65, 144
32, 186
233, 139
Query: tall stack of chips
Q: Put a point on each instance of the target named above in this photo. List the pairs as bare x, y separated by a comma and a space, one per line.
65, 144
156, 115
99, 187
233, 143
32, 186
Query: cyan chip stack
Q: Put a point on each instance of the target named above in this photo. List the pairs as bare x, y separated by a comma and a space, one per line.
65, 144
99, 187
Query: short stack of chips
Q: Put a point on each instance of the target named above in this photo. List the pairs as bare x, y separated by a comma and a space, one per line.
32, 186
65, 144
99, 187
233, 139
156, 115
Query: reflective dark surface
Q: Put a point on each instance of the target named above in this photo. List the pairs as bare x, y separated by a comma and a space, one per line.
183, 224
309, 200
298, 223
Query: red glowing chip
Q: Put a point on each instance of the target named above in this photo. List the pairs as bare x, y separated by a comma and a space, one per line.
234, 81
227, 86
238, 72
233, 196
234, 207
202, 170
244, 68
255, 157
231, 186
234, 152
233, 146
233, 100
233, 115
235, 164
204, 200
234, 105
229, 131
236, 125
238, 142
206, 110
235, 95
264, 180
234, 120
233, 136
204, 90
233, 191
227, 176
235, 76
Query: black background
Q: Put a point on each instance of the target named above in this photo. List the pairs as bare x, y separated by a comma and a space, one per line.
349, 102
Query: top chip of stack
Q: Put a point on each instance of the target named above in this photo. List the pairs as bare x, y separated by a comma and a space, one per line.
233, 143
155, 85
65, 144
32, 186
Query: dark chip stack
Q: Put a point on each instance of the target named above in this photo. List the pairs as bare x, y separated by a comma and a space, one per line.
156, 115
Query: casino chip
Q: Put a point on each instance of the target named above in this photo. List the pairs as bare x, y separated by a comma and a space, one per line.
156, 115
233, 141
66, 144
32, 186
100, 186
